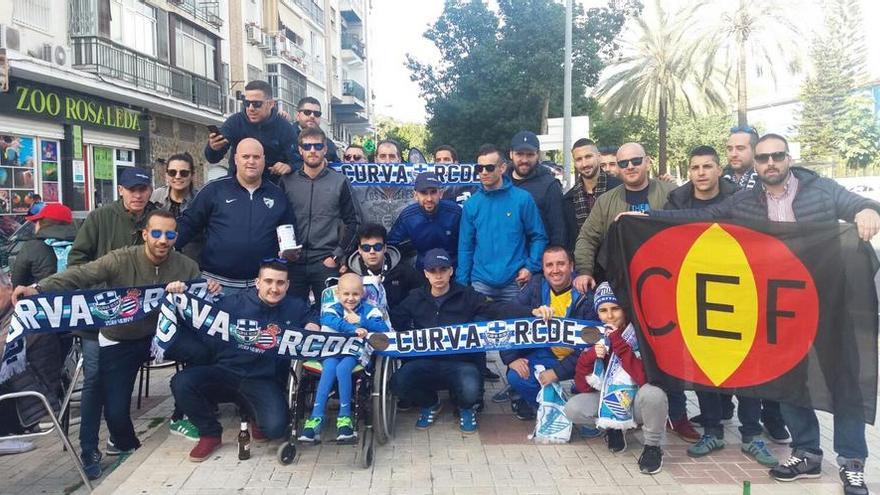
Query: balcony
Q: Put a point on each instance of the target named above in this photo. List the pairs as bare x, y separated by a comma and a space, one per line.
315, 13
354, 89
203, 10
105, 58
288, 52
352, 10
353, 44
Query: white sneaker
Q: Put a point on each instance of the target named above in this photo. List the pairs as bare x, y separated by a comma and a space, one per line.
8, 447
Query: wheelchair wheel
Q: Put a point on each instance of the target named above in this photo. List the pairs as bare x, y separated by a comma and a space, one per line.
365, 449
384, 406
286, 453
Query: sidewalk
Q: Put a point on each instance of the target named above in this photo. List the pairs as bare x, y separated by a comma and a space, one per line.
499, 459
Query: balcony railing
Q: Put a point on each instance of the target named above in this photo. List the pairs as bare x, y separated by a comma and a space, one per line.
316, 13
353, 43
352, 10
282, 47
108, 59
204, 10
353, 88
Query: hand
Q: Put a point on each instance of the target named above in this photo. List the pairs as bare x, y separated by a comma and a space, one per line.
342, 269
23, 291
543, 312
280, 168
352, 317
601, 350
521, 367
523, 276
547, 377
329, 262
667, 178
290, 254
214, 287
583, 283
176, 287
630, 213
868, 223
314, 327
361, 332
217, 142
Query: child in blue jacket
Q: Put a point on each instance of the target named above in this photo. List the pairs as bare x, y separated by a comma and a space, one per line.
349, 316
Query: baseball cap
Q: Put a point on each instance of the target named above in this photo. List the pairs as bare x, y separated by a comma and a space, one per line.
53, 211
525, 141
437, 258
135, 176
427, 180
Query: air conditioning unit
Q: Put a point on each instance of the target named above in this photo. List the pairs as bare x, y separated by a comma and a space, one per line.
60, 56
9, 38
253, 33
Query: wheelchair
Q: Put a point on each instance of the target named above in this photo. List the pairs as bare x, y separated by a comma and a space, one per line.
374, 409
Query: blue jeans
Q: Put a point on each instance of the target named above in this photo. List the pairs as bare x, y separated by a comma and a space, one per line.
503, 294
188, 349
335, 370
849, 433
197, 389
119, 366
91, 407
748, 411
419, 380
528, 388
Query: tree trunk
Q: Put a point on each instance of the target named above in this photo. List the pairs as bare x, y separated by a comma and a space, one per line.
741, 94
662, 118
545, 113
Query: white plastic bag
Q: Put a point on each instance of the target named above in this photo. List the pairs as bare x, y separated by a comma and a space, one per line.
551, 424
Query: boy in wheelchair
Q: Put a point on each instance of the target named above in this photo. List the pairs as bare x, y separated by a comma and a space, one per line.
350, 315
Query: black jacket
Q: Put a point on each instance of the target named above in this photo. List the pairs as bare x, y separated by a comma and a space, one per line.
682, 197
398, 277
462, 305
275, 134
572, 225
817, 199
547, 193
36, 260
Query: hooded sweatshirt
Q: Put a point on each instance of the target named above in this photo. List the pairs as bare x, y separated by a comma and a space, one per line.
547, 193
275, 134
36, 260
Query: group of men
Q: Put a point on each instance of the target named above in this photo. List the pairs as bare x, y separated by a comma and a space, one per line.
517, 246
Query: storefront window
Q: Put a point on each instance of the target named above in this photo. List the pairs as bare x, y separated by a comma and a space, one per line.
18, 161
107, 163
50, 174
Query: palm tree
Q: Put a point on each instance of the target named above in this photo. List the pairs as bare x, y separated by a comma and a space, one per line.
751, 36
659, 72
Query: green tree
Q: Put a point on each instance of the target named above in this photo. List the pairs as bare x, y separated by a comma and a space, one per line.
686, 133
616, 130
408, 134
659, 74
858, 135
502, 72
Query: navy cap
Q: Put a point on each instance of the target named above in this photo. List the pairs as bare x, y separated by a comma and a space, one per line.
437, 258
525, 141
135, 176
427, 180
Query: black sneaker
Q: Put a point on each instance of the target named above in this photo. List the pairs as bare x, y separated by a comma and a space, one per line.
651, 460
852, 474
800, 465
404, 405
777, 433
490, 376
616, 440
524, 411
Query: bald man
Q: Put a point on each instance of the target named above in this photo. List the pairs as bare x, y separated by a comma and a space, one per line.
239, 215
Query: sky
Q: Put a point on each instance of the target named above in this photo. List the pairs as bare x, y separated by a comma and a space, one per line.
397, 96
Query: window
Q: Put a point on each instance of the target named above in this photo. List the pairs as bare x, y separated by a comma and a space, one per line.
133, 24
32, 13
194, 50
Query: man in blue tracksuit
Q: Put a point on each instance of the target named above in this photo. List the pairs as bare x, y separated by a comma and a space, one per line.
550, 295
254, 381
258, 120
238, 215
501, 238
429, 223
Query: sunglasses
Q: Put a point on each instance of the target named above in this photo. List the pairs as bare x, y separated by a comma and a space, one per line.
169, 234
777, 156
488, 168
173, 173
375, 247
309, 113
274, 260
744, 128
635, 161
312, 146
254, 103
352, 158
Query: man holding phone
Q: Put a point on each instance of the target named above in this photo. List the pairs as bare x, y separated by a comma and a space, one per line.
258, 120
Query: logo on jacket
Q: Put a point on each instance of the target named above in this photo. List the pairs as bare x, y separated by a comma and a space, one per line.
130, 303
106, 304
497, 335
269, 202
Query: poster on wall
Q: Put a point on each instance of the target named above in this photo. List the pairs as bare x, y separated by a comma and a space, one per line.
49, 151
50, 192
103, 163
79, 172
19, 156
50, 171
16, 199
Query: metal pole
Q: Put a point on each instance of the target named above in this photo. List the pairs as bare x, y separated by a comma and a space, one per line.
566, 101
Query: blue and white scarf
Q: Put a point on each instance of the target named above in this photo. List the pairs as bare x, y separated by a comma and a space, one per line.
618, 390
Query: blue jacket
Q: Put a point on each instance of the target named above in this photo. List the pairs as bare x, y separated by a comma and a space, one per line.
291, 312
372, 320
415, 229
239, 226
537, 293
511, 236
275, 134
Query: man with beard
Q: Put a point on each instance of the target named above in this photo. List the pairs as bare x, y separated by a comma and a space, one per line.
740, 167
592, 182
540, 183
608, 160
308, 116
354, 154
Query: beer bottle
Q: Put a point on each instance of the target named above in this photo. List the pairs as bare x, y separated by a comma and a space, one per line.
244, 442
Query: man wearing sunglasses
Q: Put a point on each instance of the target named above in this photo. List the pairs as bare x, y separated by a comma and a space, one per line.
308, 116
124, 348
540, 183
354, 154
321, 199
740, 169
258, 120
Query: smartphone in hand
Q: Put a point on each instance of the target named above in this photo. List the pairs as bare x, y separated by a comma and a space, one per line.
213, 130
